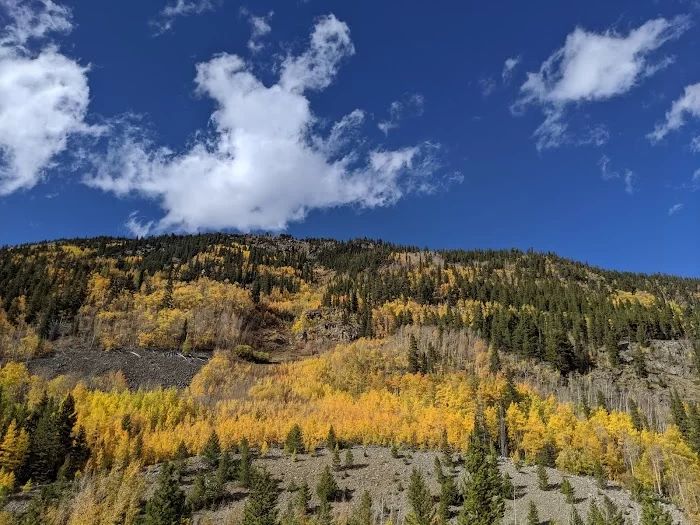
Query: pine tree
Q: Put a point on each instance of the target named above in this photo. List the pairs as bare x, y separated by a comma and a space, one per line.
327, 488
567, 490
362, 515
167, 505
575, 517
613, 514
212, 451
180, 458
245, 466
302, 499
483, 487
654, 514
542, 478
420, 501
533, 517
349, 459
413, 356
336, 459
294, 441
261, 507
331, 439
197, 498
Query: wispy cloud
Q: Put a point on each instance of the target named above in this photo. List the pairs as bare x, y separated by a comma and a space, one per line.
166, 18
487, 86
508, 67
675, 208
687, 105
259, 28
269, 160
412, 105
609, 174
593, 67
136, 226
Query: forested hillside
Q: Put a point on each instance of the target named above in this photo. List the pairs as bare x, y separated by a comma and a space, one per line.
360, 341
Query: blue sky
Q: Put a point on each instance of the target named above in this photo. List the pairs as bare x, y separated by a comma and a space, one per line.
564, 126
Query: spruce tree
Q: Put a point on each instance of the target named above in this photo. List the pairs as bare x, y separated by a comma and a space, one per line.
197, 498
302, 499
483, 486
294, 443
349, 459
533, 517
331, 439
654, 514
336, 459
542, 478
567, 490
362, 515
261, 507
167, 505
413, 355
212, 451
245, 467
575, 517
327, 488
420, 501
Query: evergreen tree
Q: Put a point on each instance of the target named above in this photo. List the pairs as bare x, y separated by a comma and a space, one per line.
575, 517
261, 507
483, 487
420, 501
654, 514
245, 467
180, 458
413, 355
362, 515
336, 459
349, 459
542, 478
533, 517
331, 439
302, 499
167, 505
294, 442
327, 488
197, 498
212, 451
567, 490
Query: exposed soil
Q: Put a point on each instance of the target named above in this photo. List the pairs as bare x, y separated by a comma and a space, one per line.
387, 478
141, 368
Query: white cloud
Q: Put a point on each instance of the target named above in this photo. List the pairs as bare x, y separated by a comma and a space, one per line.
413, 104
487, 86
675, 208
608, 174
43, 96
687, 104
267, 162
136, 226
629, 181
695, 144
508, 67
166, 18
695, 181
259, 27
593, 67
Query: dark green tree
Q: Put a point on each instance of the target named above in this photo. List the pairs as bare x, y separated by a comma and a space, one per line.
420, 501
533, 517
167, 505
294, 442
261, 507
327, 488
654, 514
212, 450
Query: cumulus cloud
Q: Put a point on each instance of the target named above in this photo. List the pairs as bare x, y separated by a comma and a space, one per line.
166, 18
413, 105
675, 208
593, 67
508, 67
687, 105
269, 160
44, 95
259, 27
